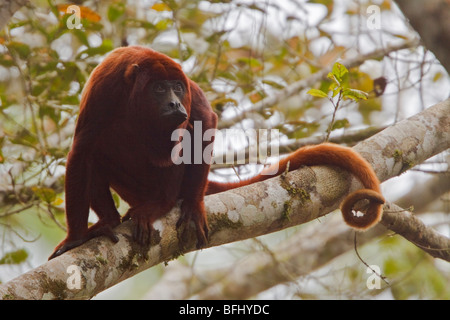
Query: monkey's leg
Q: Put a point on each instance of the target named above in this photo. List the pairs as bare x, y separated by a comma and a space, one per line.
102, 203
77, 183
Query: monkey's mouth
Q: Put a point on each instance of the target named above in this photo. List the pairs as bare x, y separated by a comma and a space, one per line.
173, 118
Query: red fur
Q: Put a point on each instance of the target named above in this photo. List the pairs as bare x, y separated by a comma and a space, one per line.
328, 154
121, 142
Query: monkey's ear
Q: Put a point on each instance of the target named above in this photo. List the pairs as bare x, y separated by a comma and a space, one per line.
137, 78
131, 72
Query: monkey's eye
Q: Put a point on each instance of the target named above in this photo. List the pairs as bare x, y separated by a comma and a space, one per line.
160, 88
178, 87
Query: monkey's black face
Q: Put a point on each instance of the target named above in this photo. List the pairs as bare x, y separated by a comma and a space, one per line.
168, 96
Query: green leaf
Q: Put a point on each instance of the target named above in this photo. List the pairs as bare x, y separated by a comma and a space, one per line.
252, 62
46, 194
115, 11
135, 23
317, 93
82, 36
274, 84
161, 7
163, 24
333, 78
104, 48
20, 48
354, 94
14, 257
24, 137
339, 71
335, 89
339, 124
6, 60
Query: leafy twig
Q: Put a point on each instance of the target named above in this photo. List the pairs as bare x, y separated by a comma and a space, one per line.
339, 89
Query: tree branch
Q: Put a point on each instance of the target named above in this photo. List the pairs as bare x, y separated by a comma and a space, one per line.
297, 256
349, 138
304, 252
411, 228
237, 214
308, 82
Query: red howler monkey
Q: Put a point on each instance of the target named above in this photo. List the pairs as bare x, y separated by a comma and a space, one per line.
134, 100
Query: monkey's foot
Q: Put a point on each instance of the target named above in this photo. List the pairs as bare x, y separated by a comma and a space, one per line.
64, 246
142, 223
103, 228
192, 211
97, 230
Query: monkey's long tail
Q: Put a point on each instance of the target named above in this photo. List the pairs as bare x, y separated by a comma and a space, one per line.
327, 154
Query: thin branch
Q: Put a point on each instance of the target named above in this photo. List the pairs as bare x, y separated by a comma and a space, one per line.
411, 228
296, 87
350, 138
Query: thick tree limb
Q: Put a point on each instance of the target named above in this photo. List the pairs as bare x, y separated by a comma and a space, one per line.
237, 214
302, 253
297, 256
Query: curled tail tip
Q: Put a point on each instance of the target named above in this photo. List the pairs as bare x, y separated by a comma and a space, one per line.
373, 214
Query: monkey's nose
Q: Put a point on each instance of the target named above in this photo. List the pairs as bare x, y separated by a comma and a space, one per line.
174, 104
175, 113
